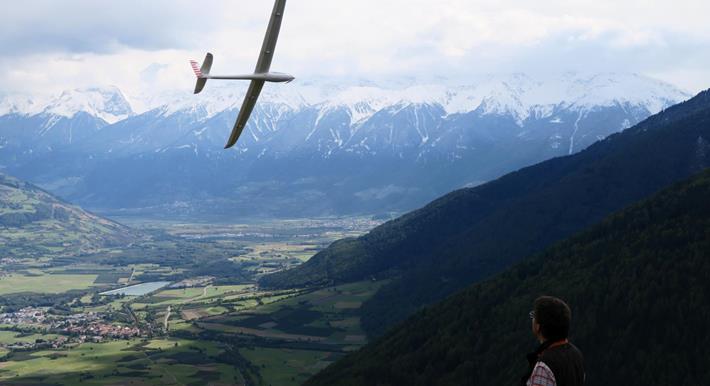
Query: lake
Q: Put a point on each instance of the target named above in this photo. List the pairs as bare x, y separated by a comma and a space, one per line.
138, 289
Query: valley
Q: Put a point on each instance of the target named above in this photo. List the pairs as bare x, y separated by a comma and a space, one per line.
186, 308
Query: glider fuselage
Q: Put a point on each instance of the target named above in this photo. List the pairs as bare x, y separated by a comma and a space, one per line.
275, 77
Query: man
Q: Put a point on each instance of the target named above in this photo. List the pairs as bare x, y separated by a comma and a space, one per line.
557, 362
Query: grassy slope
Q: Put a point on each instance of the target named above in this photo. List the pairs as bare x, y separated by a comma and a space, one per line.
35, 222
639, 291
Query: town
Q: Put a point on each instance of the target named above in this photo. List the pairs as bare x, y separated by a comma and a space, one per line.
71, 330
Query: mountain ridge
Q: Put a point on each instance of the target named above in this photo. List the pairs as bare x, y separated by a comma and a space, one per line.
518, 93
473, 233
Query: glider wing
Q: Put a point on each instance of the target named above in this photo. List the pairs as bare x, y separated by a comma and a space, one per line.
272, 35
244, 113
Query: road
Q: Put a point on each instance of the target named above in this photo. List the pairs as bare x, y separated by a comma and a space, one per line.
167, 317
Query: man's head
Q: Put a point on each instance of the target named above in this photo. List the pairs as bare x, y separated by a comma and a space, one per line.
551, 318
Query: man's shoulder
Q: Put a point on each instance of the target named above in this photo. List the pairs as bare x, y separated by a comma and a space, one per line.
566, 362
574, 349
562, 356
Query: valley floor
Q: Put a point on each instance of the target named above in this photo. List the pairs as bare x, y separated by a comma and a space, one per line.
210, 325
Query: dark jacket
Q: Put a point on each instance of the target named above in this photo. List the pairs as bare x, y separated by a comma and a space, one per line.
565, 361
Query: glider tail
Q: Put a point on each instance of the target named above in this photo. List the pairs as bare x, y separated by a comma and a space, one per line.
202, 72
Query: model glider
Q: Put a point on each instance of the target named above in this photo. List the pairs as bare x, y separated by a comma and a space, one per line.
261, 74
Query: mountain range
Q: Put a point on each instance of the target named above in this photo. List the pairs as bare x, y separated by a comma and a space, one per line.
470, 234
312, 148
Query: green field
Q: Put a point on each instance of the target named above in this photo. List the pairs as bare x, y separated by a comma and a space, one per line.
44, 283
302, 331
286, 366
196, 295
323, 324
160, 362
12, 337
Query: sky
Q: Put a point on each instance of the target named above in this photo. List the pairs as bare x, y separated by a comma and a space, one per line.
144, 46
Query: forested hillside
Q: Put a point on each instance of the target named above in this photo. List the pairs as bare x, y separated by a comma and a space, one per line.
639, 290
471, 234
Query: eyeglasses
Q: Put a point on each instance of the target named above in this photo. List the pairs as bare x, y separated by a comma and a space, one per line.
532, 315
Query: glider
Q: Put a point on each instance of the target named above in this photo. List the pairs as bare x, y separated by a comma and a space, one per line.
261, 74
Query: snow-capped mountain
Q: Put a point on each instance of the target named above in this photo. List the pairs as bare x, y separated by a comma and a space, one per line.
518, 95
108, 104
37, 125
312, 147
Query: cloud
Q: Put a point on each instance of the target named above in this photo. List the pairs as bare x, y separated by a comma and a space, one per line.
54, 45
84, 26
152, 72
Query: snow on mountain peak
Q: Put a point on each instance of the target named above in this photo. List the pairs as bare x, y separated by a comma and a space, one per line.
518, 95
107, 103
20, 104
606, 89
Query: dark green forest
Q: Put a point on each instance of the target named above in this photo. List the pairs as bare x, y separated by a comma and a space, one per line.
639, 291
471, 234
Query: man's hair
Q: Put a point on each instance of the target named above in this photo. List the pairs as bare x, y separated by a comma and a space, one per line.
554, 317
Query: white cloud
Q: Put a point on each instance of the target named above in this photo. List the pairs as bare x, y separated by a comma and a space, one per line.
50, 45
